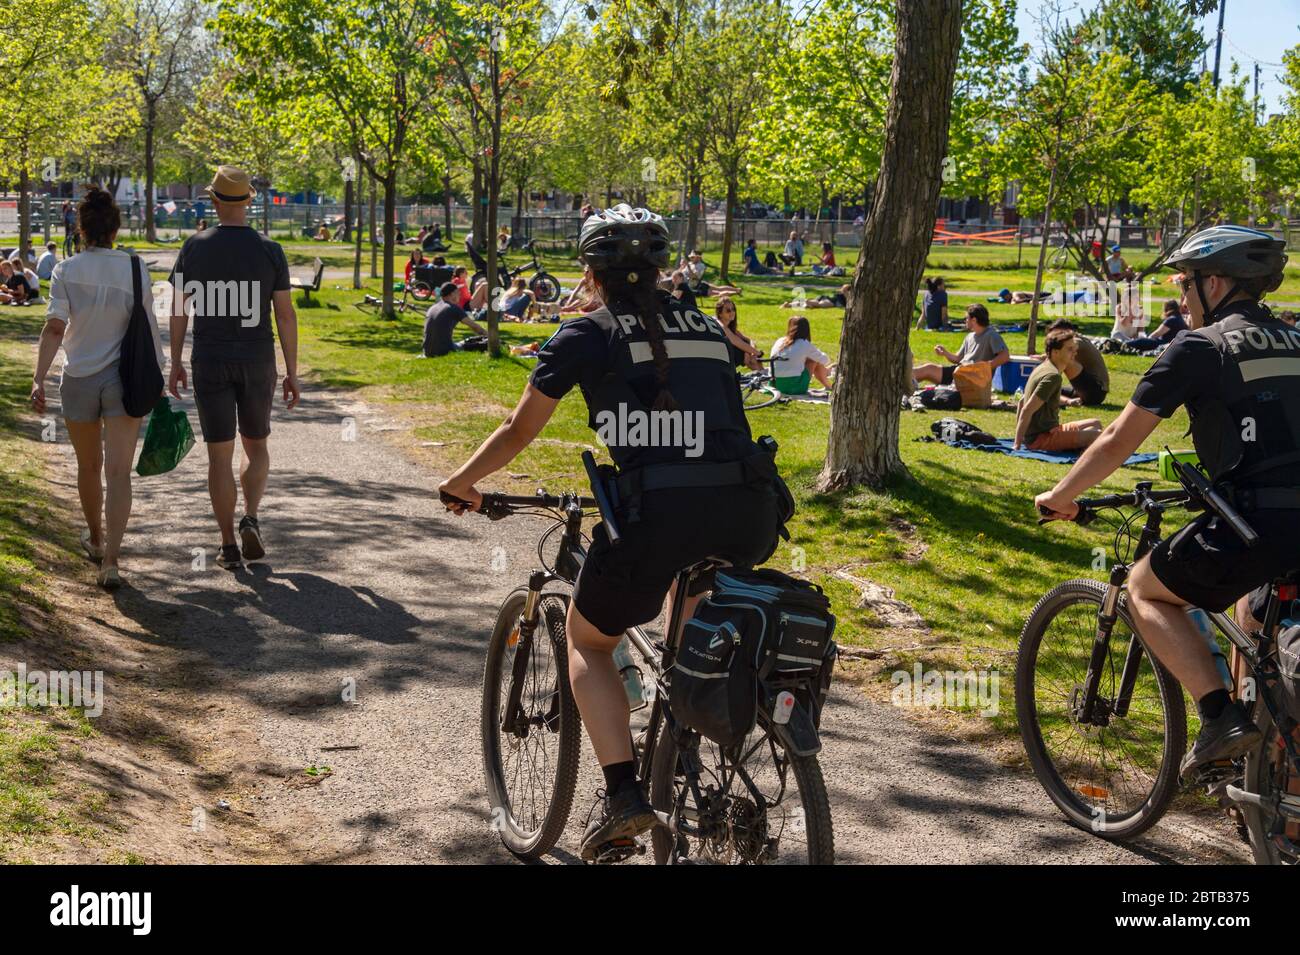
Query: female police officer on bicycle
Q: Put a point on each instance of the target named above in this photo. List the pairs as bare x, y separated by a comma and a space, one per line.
659, 381
1238, 373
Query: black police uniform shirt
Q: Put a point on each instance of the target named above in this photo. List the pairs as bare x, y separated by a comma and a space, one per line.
608, 357
1240, 382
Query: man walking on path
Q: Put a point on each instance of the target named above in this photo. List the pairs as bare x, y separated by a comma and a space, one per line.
229, 278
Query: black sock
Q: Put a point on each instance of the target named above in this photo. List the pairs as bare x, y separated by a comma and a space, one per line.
616, 774
1212, 704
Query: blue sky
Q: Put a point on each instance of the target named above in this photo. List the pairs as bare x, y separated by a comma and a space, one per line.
1253, 30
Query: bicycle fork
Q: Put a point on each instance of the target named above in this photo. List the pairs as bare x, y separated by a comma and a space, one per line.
1107, 614
513, 718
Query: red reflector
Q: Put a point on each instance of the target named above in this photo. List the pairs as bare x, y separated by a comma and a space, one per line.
1288, 591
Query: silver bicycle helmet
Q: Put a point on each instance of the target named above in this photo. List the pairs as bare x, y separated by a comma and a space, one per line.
1230, 250
624, 237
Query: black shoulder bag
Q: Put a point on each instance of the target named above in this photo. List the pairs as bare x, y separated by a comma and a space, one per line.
142, 380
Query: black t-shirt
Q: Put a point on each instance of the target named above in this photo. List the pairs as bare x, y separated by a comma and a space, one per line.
439, 320
580, 353
1185, 374
1172, 325
228, 274
17, 281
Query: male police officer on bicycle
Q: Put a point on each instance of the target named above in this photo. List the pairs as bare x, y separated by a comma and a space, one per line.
650, 368
1238, 373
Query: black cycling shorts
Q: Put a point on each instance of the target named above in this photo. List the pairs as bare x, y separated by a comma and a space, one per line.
1086, 386
1207, 564
624, 585
226, 392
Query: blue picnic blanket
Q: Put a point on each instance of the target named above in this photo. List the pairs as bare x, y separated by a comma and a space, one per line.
1004, 446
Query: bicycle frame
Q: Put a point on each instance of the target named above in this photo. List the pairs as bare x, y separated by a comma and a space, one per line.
572, 556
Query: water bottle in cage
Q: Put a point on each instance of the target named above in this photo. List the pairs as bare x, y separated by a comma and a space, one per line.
630, 673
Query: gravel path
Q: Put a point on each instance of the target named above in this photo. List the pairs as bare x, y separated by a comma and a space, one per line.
370, 590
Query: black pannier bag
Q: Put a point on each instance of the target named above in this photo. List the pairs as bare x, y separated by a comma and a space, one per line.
759, 634
1288, 664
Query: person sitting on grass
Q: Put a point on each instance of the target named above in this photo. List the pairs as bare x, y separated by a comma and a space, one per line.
441, 318
1172, 322
694, 269
416, 259
981, 343
1117, 270
583, 297
1089, 378
800, 360
13, 285
516, 300
827, 264
33, 280
1287, 316
792, 254
838, 299
934, 306
1038, 420
460, 278
45, 264
727, 316
752, 265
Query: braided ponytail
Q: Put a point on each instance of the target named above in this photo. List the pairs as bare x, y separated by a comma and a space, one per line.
636, 290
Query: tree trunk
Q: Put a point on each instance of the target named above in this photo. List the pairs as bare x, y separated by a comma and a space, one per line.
446, 207
1042, 248
693, 211
347, 210
374, 232
390, 239
726, 230
479, 201
24, 212
494, 192
150, 121
874, 367
360, 231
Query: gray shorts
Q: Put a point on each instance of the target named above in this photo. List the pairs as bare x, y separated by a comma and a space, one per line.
92, 397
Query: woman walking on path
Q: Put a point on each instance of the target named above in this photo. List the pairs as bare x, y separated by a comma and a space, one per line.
91, 299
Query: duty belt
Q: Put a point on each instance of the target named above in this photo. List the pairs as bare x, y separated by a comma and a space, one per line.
661, 477
1266, 498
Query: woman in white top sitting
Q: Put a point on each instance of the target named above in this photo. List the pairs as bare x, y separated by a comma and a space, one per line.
91, 299
799, 359
1130, 321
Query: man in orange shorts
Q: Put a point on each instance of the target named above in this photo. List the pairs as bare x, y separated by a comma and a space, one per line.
1038, 422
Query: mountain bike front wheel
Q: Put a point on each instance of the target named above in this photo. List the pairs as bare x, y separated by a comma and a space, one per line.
1115, 772
530, 757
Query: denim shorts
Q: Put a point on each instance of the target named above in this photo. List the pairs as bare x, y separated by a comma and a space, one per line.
92, 397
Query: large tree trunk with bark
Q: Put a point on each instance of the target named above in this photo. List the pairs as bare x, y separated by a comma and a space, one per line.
24, 212
390, 240
374, 230
874, 368
480, 208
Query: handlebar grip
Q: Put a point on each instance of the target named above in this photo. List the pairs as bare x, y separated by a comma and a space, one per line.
450, 499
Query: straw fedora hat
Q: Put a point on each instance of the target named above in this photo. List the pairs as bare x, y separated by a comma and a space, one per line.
231, 184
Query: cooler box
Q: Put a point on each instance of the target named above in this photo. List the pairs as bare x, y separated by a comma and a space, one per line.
1166, 463
1014, 375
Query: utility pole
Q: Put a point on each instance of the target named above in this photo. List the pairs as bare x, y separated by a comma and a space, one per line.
1218, 42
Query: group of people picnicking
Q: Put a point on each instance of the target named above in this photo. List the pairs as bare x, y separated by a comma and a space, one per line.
790, 258
21, 278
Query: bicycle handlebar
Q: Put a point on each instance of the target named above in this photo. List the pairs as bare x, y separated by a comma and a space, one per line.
496, 506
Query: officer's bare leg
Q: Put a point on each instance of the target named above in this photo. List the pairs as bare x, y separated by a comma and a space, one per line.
598, 689
1169, 633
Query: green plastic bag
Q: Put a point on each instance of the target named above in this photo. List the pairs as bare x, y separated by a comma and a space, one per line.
167, 440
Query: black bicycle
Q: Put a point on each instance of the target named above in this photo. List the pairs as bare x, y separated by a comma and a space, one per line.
753, 803
544, 286
1105, 725
757, 389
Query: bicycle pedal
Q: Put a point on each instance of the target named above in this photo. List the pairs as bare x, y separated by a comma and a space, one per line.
617, 851
1214, 775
